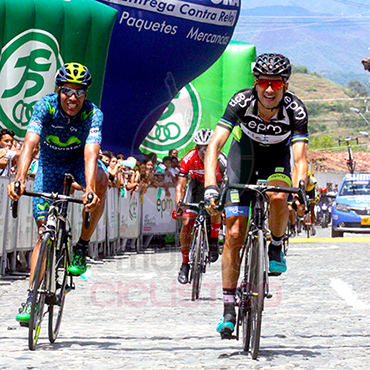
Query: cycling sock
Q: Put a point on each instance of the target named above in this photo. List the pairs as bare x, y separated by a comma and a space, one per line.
229, 296
29, 296
275, 249
276, 241
185, 256
215, 229
213, 242
82, 245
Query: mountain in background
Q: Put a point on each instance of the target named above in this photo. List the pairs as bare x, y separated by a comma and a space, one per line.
332, 45
336, 7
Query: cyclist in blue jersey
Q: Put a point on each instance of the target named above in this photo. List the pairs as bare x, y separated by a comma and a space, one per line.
67, 129
266, 121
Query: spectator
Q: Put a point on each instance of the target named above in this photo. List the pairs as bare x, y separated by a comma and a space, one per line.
106, 156
175, 165
7, 155
170, 176
173, 153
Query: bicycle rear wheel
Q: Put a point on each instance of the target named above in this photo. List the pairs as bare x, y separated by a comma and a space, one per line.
39, 295
57, 304
197, 266
257, 292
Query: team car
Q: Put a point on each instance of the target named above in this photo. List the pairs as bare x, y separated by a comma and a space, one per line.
351, 208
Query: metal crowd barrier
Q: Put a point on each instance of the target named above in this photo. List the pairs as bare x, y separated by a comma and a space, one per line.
127, 216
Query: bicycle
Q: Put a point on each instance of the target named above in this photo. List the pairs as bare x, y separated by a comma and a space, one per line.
254, 286
51, 281
199, 251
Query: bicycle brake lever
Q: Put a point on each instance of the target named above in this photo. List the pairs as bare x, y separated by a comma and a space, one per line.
14, 204
90, 198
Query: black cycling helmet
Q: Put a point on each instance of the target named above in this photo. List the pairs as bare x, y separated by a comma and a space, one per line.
73, 73
272, 64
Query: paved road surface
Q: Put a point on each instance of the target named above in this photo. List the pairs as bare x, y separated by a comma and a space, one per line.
132, 314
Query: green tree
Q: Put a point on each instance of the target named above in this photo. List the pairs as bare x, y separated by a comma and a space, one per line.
323, 142
356, 89
299, 69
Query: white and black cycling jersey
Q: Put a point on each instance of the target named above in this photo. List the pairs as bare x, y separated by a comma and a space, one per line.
259, 146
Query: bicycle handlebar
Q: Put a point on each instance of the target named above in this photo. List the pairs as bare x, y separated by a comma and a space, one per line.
51, 196
263, 189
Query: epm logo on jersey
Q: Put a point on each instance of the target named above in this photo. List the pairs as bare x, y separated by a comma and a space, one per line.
27, 68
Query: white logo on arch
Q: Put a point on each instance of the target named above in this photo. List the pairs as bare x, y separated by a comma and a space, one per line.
28, 66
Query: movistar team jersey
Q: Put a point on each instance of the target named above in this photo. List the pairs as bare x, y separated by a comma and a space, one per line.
62, 138
62, 143
259, 146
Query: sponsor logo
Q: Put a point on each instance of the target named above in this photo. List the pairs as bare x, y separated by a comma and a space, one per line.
226, 2
263, 127
27, 69
43, 207
178, 123
51, 139
294, 106
234, 195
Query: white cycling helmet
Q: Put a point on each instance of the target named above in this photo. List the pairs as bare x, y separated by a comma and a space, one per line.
203, 136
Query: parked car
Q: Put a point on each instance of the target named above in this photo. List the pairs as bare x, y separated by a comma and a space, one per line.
351, 208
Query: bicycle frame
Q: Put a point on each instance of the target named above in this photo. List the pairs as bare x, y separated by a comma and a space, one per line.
199, 250
200, 224
254, 287
50, 286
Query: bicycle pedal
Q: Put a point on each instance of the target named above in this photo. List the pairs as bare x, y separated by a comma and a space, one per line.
70, 287
24, 324
269, 296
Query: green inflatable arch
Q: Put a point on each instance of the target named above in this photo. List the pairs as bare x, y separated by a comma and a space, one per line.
201, 103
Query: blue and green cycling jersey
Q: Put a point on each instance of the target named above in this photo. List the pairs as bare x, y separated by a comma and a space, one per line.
62, 143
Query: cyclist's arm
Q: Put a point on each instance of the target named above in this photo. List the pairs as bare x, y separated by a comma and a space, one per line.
218, 141
31, 142
91, 169
300, 169
180, 188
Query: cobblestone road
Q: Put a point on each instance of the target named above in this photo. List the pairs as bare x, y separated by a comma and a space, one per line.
132, 314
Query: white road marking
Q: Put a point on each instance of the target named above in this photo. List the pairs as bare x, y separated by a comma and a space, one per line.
346, 293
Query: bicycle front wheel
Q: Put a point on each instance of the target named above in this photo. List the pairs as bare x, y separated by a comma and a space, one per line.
197, 266
38, 294
56, 305
257, 291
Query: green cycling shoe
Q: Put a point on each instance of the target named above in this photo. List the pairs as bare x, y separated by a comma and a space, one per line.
78, 265
24, 314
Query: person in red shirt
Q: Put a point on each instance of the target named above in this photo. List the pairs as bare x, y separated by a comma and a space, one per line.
192, 166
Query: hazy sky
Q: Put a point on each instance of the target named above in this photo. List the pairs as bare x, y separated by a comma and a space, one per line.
344, 7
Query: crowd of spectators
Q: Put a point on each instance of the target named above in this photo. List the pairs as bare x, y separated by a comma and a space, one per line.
133, 174
127, 174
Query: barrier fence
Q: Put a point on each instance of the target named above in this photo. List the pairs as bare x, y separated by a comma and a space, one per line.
127, 216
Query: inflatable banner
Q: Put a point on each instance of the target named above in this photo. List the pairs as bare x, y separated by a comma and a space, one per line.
36, 38
158, 47
201, 103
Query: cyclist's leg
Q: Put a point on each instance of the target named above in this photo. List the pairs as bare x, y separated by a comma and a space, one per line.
78, 265
101, 192
313, 216
278, 220
194, 194
213, 237
234, 240
188, 220
46, 180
